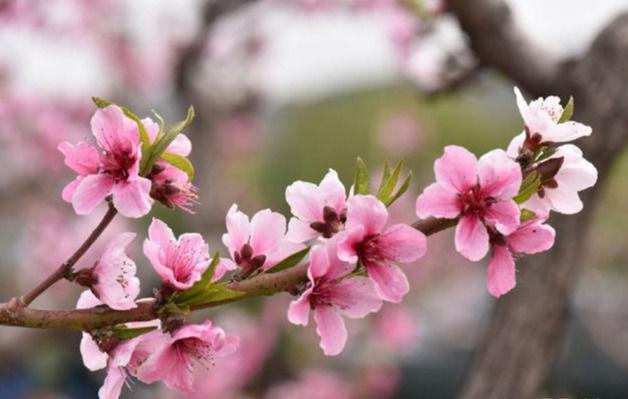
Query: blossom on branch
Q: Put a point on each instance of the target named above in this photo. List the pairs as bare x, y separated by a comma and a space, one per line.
112, 169
479, 192
331, 293
377, 248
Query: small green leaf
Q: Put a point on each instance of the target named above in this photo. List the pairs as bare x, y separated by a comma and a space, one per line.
543, 153
290, 261
159, 147
361, 181
388, 184
567, 112
161, 124
179, 162
100, 102
526, 215
121, 332
215, 293
404, 187
529, 187
200, 286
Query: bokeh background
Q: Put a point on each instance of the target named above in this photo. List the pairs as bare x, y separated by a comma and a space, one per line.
284, 90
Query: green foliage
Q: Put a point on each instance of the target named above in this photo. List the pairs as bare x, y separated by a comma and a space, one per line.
122, 332
389, 182
567, 111
529, 186
179, 162
290, 261
361, 180
527, 215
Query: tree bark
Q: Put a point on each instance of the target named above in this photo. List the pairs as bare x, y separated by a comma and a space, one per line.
526, 333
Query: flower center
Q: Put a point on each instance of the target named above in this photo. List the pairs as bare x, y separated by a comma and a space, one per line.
332, 222
247, 262
117, 164
474, 202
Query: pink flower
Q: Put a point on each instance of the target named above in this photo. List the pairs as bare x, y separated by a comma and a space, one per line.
114, 280
179, 262
541, 118
331, 294
112, 171
120, 358
171, 186
530, 238
256, 244
479, 192
559, 192
189, 346
319, 210
366, 240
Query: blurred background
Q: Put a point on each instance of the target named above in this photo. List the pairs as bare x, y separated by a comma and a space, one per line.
284, 90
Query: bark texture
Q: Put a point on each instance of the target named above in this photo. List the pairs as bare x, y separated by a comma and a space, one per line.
519, 347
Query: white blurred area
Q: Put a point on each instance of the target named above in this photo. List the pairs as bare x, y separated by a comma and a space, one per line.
308, 55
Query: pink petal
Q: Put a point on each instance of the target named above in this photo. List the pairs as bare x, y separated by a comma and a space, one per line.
564, 200
93, 358
437, 201
338, 268
113, 130
300, 231
348, 242
500, 176
456, 170
567, 131
160, 233
402, 243
90, 192
331, 328
356, 297
132, 198
333, 191
267, 231
87, 300
82, 158
533, 116
500, 275
368, 212
280, 253
114, 381
504, 215
532, 237
390, 282
299, 309
576, 172
471, 238
319, 262
306, 201
152, 129
238, 230
70, 188
153, 252
515, 145
181, 145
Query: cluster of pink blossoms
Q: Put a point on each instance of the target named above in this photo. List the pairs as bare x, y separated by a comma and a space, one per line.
499, 203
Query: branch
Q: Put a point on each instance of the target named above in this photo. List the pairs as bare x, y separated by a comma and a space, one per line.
498, 42
88, 319
66, 266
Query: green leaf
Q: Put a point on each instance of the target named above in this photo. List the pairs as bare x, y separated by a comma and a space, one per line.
290, 261
160, 145
179, 162
529, 187
215, 293
361, 181
145, 140
526, 215
404, 187
567, 112
161, 124
121, 332
388, 183
201, 285
543, 153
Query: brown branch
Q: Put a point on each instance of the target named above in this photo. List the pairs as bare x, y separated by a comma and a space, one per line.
66, 266
88, 319
498, 42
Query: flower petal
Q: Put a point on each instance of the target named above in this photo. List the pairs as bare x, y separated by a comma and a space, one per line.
114, 381
532, 237
82, 158
348, 241
366, 211
500, 275
160, 233
93, 358
299, 309
402, 243
437, 201
471, 238
333, 191
390, 282
456, 170
331, 328
267, 231
132, 198
90, 192
300, 231
306, 201
238, 230
355, 297
500, 176
504, 215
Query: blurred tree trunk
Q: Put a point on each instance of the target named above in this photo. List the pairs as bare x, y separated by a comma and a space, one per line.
516, 354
